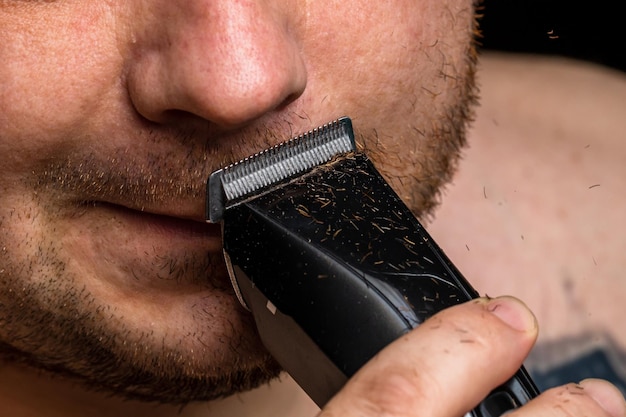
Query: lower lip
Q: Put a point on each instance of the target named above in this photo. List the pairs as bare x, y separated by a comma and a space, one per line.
181, 227
174, 228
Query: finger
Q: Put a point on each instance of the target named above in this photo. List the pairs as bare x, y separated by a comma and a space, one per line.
591, 398
607, 395
446, 366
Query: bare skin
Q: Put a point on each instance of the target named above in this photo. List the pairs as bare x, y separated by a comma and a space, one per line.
546, 225
113, 114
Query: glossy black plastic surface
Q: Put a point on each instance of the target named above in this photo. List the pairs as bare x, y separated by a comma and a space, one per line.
335, 267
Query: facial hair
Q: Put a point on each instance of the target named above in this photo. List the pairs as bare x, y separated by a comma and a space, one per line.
56, 324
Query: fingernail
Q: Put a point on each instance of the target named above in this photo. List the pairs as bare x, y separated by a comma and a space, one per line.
606, 395
513, 312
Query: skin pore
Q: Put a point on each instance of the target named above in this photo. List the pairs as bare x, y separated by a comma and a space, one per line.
112, 115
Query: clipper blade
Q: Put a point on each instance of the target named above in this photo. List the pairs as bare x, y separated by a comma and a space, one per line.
278, 163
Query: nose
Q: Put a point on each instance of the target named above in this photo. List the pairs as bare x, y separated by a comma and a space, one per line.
225, 61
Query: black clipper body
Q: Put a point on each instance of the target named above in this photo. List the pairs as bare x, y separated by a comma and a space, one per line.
334, 267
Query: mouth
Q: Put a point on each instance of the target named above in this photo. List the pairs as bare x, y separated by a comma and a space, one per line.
133, 249
154, 223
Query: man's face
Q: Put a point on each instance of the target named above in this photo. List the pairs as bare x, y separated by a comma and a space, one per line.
114, 112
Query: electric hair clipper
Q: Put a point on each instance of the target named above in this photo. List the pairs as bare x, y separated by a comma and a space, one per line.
331, 262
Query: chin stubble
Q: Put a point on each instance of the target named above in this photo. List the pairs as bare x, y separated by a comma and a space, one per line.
56, 325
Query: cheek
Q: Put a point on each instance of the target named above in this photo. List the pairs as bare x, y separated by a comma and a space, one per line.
56, 72
390, 59
402, 71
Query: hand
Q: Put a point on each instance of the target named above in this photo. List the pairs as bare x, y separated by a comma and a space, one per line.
445, 367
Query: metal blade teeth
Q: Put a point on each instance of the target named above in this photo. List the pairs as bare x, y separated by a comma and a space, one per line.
290, 158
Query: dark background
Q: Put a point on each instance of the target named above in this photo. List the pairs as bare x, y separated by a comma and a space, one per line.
593, 30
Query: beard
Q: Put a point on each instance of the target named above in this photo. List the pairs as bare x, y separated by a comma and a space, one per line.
58, 317
57, 325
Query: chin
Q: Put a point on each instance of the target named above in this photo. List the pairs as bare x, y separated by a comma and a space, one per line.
177, 347
202, 358
158, 322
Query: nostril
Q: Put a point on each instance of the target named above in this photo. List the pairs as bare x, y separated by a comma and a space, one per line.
289, 99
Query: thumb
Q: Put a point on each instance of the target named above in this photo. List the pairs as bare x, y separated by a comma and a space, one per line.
446, 366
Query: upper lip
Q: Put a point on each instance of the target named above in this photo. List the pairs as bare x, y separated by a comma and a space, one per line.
176, 188
179, 198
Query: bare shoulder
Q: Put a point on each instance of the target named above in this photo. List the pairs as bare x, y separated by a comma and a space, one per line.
547, 87
538, 208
